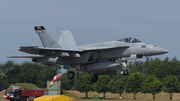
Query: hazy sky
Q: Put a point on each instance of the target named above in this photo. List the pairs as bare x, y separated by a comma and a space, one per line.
151, 21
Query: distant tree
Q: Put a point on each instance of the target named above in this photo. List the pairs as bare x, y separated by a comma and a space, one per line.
151, 85
28, 72
111, 72
102, 84
136, 66
168, 68
171, 85
84, 84
117, 84
2, 79
152, 65
7, 66
133, 84
5, 70
66, 84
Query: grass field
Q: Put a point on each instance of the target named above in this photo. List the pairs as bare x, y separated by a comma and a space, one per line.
125, 96
114, 97
1, 96
78, 96
26, 85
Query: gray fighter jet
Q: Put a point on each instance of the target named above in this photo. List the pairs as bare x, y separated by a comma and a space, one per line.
88, 57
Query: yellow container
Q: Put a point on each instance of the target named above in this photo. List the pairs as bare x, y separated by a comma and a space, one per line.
54, 98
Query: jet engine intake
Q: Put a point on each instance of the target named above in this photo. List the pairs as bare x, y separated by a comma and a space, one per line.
100, 66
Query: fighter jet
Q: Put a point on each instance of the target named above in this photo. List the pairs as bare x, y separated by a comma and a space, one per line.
88, 57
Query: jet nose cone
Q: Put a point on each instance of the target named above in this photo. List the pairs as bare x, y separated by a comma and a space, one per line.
163, 51
159, 50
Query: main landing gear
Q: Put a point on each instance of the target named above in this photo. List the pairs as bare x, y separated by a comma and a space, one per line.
71, 74
94, 77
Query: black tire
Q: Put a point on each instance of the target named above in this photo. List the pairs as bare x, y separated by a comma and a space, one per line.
70, 75
122, 72
95, 78
126, 72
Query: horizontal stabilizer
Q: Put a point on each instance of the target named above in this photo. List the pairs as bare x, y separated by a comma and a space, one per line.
25, 56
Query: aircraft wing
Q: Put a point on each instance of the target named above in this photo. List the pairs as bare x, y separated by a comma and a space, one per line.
101, 48
45, 51
58, 52
42, 50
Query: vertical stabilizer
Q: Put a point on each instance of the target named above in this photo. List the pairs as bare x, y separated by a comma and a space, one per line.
46, 39
66, 40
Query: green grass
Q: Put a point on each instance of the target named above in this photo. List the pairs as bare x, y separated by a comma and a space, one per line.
126, 96
26, 85
70, 95
1, 95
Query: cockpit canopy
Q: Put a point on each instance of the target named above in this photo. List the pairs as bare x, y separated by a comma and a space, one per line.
130, 40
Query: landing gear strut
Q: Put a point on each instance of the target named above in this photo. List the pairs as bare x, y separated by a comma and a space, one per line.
124, 71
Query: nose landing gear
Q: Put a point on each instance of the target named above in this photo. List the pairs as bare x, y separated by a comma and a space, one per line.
124, 71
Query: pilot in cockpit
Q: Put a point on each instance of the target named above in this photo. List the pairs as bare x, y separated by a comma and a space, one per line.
130, 40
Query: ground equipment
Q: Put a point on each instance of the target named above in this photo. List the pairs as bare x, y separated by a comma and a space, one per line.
24, 94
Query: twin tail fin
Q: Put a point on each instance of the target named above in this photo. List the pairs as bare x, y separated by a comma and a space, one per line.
46, 39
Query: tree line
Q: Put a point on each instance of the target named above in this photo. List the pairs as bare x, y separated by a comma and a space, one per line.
152, 76
26, 72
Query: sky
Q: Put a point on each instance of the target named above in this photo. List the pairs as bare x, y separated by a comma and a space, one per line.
152, 21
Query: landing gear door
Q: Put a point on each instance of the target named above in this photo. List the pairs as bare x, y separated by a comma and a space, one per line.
133, 57
67, 66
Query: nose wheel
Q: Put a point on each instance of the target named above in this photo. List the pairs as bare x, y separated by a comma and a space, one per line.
124, 72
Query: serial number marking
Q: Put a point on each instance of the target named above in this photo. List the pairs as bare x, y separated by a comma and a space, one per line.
143, 46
